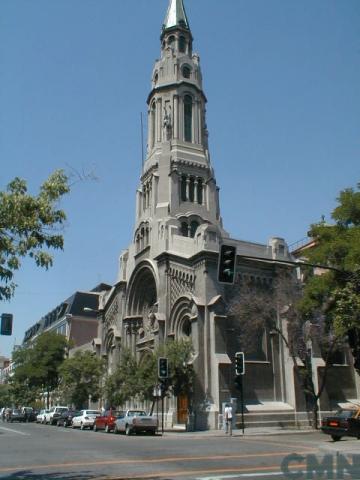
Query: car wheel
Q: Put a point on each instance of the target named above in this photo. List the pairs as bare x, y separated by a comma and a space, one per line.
336, 438
128, 430
95, 428
152, 432
107, 429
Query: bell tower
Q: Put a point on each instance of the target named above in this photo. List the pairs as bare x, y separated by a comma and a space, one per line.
178, 186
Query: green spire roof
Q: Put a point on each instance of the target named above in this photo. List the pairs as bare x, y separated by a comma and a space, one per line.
176, 15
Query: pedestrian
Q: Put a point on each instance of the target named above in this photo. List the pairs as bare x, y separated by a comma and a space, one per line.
228, 419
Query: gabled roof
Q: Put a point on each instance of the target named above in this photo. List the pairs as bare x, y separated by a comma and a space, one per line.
176, 15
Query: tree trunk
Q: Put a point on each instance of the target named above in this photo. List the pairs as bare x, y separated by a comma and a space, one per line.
315, 415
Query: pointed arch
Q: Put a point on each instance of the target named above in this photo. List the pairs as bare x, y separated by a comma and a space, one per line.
142, 290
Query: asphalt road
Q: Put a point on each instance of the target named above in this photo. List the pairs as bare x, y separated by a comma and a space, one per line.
41, 452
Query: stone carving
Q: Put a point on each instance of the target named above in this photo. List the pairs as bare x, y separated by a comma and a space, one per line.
182, 281
167, 123
111, 314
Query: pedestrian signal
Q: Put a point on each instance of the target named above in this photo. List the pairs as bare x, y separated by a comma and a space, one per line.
227, 261
239, 363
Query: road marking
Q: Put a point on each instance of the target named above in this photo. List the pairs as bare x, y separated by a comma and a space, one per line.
15, 431
182, 473
144, 461
241, 475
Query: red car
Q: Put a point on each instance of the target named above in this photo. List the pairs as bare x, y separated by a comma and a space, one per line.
106, 421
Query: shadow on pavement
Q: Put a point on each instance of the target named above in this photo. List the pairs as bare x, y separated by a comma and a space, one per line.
28, 475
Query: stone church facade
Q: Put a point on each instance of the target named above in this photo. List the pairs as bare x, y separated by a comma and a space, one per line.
167, 285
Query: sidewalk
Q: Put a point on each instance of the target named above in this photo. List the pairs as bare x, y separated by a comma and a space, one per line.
239, 433
347, 446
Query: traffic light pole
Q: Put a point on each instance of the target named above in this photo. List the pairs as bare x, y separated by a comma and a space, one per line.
240, 385
162, 406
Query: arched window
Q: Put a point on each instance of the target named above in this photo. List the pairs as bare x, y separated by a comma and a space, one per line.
171, 40
186, 71
193, 227
188, 118
183, 188
200, 191
156, 78
186, 327
191, 189
182, 44
184, 229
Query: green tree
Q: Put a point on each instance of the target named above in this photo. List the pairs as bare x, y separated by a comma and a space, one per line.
336, 292
80, 378
256, 308
179, 354
37, 367
29, 226
133, 379
5, 395
125, 382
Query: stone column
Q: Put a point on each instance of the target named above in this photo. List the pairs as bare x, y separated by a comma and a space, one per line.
199, 122
149, 131
159, 118
193, 126
187, 188
196, 190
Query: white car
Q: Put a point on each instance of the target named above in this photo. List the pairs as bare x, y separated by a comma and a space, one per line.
136, 421
53, 413
40, 417
86, 419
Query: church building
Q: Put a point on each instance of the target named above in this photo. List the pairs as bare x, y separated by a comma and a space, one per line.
167, 286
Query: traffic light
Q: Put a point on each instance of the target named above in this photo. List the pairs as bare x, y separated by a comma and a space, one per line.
227, 260
239, 363
163, 370
6, 323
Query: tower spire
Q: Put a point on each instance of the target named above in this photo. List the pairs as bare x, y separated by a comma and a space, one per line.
176, 15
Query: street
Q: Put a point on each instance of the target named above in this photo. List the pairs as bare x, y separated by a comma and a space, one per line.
39, 452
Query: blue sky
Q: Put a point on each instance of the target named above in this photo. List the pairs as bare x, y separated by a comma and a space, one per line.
282, 78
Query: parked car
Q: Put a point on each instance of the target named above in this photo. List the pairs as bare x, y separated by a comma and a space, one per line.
53, 414
40, 417
345, 422
106, 421
65, 419
16, 415
135, 421
29, 414
86, 419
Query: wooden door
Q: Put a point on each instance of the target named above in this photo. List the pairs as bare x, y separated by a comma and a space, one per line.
182, 408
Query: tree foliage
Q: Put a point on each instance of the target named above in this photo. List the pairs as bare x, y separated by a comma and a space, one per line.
37, 367
257, 308
80, 378
137, 379
336, 293
29, 226
5, 395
